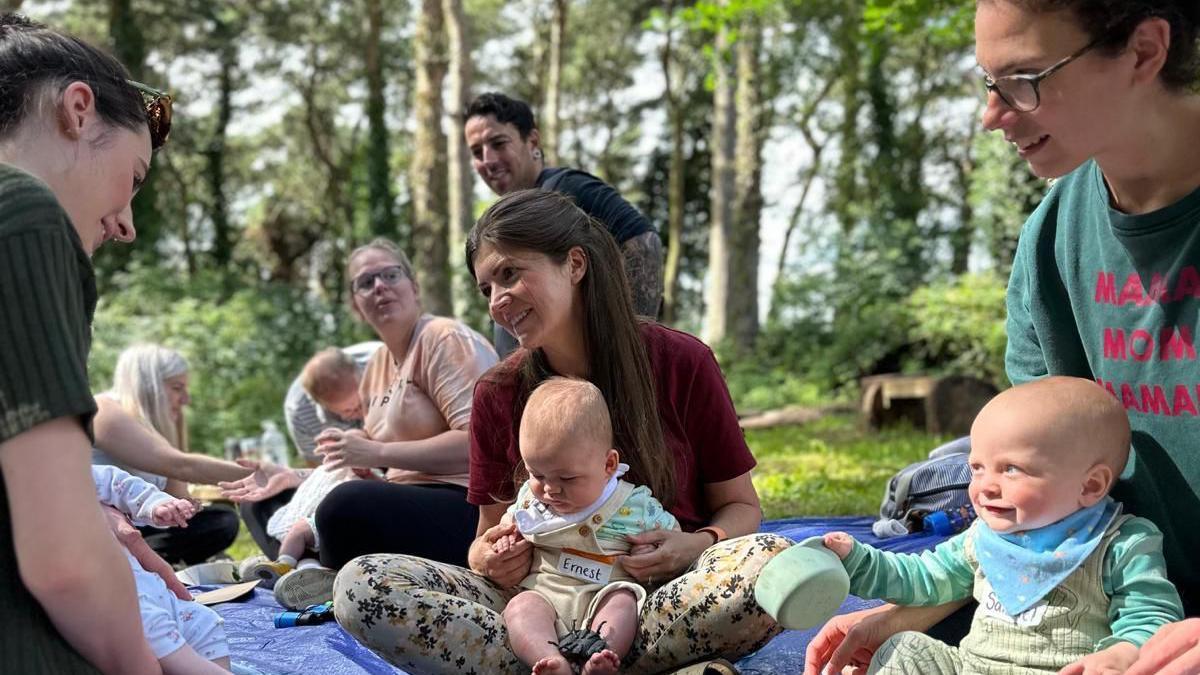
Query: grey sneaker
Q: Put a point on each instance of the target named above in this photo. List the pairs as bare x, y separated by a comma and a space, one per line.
303, 587
248, 564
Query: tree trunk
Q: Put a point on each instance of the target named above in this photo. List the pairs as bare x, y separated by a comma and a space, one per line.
846, 180
460, 182
218, 208
742, 308
673, 74
550, 124
716, 291
129, 46
427, 171
961, 238
379, 178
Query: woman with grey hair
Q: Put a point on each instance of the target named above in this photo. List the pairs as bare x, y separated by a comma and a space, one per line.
150, 384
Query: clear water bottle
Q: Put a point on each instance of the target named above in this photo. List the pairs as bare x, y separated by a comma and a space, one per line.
273, 445
948, 522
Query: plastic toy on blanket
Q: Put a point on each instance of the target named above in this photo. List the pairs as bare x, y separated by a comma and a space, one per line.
803, 586
311, 616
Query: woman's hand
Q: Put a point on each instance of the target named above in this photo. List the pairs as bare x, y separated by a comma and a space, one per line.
350, 448
150, 561
1174, 650
850, 640
506, 568
267, 481
673, 552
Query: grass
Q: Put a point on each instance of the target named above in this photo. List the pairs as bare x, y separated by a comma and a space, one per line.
831, 467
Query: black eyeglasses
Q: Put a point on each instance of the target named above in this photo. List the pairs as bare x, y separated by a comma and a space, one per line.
1020, 92
158, 112
363, 284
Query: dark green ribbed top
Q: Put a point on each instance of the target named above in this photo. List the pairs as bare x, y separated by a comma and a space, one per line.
47, 299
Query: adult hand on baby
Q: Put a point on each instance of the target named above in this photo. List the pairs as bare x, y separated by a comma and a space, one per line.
663, 554
174, 512
849, 641
150, 561
1174, 650
505, 568
267, 481
1111, 661
350, 448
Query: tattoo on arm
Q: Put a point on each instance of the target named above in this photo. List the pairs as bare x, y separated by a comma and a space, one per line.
643, 267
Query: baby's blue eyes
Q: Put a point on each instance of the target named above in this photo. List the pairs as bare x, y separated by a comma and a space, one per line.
977, 469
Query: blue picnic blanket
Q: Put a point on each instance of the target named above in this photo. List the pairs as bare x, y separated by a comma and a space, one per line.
258, 648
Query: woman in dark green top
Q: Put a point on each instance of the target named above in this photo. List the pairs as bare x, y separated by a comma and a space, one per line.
75, 143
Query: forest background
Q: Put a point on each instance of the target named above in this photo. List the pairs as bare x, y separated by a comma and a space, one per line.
829, 204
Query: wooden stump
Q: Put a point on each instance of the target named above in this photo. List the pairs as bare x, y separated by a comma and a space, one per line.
939, 404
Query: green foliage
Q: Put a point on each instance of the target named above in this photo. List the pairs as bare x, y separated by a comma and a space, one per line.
858, 324
831, 467
959, 326
244, 350
945, 22
757, 389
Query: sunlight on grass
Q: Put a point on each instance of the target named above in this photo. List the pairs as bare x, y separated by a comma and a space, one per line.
831, 467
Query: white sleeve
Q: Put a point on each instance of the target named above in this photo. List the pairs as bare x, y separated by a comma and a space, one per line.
127, 493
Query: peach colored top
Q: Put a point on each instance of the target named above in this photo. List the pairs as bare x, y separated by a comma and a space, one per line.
427, 394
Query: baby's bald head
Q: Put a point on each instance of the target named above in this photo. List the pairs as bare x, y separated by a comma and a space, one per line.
1071, 416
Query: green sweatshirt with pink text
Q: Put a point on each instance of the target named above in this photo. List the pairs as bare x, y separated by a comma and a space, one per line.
1113, 297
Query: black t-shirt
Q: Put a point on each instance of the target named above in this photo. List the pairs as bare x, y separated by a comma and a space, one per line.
47, 299
599, 200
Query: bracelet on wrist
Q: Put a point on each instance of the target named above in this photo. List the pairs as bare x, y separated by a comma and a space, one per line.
717, 533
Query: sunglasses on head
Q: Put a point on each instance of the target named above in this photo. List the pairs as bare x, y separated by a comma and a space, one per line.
158, 112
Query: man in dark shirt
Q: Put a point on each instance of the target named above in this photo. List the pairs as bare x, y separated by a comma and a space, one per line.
504, 142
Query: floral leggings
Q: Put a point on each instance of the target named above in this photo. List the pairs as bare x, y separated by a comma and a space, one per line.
430, 617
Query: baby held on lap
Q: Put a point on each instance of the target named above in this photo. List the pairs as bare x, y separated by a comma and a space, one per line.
1061, 575
576, 512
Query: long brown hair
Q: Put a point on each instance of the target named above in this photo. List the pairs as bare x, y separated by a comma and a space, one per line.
548, 223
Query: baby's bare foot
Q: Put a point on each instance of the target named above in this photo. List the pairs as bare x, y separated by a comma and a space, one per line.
604, 662
552, 665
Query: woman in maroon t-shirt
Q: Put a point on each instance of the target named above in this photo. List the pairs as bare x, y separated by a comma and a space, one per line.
554, 279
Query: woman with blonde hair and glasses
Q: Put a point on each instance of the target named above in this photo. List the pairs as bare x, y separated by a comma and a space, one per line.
150, 383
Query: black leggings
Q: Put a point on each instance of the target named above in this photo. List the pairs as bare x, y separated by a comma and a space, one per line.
208, 533
433, 521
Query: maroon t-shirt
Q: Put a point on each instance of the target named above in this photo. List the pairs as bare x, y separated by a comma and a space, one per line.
698, 422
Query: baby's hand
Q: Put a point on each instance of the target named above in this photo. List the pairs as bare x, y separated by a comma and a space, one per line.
639, 549
503, 544
174, 512
1112, 661
839, 542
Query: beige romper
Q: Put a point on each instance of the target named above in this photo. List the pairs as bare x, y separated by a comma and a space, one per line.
573, 599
